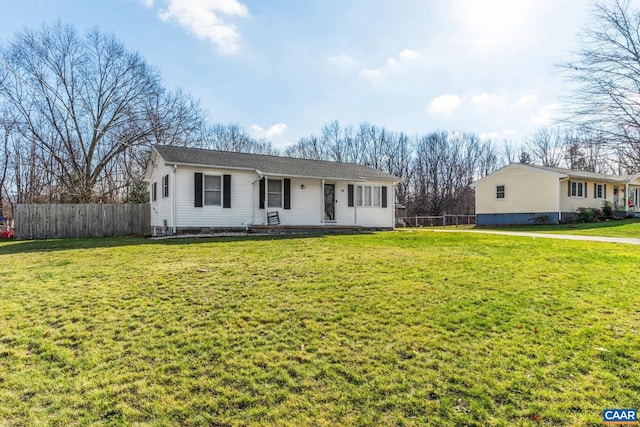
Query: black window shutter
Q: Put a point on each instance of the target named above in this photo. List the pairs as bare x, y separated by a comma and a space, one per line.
595, 190
197, 190
585, 190
165, 186
605, 191
287, 193
226, 191
384, 196
569, 187
262, 191
154, 192
350, 195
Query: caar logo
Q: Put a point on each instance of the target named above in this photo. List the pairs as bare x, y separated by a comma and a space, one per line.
620, 416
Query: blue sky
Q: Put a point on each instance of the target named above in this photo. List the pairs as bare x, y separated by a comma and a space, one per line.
280, 69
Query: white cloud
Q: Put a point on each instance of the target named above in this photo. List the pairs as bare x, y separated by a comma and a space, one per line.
371, 74
544, 115
342, 61
409, 54
444, 104
202, 19
487, 100
493, 136
488, 136
527, 100
273, 132
404, 58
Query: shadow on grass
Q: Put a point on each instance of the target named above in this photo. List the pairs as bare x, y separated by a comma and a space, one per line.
50, 245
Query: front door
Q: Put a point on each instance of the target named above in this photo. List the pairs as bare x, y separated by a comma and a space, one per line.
329, 202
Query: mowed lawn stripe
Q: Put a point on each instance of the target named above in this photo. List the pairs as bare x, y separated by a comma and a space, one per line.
397, 328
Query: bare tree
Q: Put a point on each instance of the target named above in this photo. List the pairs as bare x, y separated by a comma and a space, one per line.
232, 137
606, 73
546, 147
588, 151
489, 160
80, 103
6, 126
510, 153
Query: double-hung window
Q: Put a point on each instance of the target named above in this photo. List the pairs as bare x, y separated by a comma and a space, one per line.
577, 189
598, 191
154, 192
500, 192
275, 193
212, 190
368, 196
165, 186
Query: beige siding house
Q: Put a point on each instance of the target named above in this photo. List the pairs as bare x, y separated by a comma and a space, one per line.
197, 190
526, 194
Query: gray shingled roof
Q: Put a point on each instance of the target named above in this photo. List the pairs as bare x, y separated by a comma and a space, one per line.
269, 165
587, 175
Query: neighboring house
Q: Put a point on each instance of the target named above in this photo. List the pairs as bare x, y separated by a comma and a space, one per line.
527, 194
197, 190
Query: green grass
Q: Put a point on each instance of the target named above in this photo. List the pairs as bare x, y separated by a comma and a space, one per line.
397, 328
614, 228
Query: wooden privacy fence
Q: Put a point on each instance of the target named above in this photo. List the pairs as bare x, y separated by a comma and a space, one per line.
39, 221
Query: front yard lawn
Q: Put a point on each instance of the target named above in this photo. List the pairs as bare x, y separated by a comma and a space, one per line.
395, 328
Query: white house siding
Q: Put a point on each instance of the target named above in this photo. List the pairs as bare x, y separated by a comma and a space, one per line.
161, 208
569, 204
376, 216
527, 191
307, 205
307, 202
238, 216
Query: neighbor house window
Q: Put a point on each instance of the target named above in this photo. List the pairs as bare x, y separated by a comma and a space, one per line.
367, 195
212, 190
165, 186
598, 191
577, 189
154, 192
275, 193
500, 192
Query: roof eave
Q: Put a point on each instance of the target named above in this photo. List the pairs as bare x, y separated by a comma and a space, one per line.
280, 174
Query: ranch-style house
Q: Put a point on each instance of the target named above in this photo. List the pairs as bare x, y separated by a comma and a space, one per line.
197, 191
526, 194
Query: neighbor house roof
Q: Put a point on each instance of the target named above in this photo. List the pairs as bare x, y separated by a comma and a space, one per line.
269, 165
593, 176
574, 174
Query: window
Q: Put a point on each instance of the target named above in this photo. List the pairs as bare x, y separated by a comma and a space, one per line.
577, 189
275, 193
165, 186
154, 192
212, 190
500, 192
367, 195
599, 191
